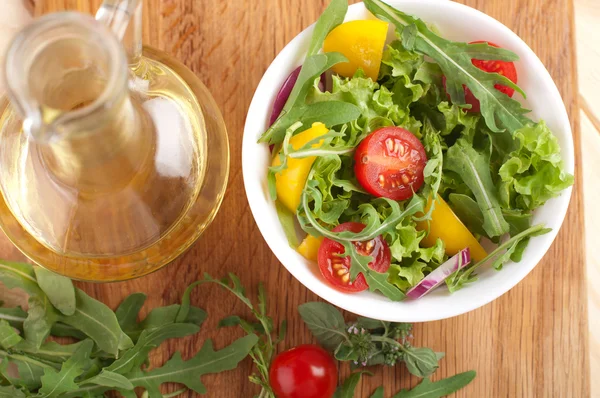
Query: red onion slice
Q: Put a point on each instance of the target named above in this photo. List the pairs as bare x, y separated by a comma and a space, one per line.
439, 275
286, 90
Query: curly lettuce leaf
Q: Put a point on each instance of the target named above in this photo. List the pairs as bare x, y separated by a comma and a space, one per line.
454, 58
534, 172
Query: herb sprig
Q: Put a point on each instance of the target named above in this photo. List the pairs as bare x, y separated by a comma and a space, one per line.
267, 337
367, 342
113, 347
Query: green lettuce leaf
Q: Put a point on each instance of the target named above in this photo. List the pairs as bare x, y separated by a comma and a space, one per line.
534, 172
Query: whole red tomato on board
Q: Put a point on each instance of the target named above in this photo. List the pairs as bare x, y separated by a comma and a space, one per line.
306, 371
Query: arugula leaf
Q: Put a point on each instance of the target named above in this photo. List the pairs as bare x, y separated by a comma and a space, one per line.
467, 209
14, 316
8, 336
109, 379
296, 109
30, 370
98, 321
60, 290
188, 373
454, 58
440, 388
19, 275
11, 392
346, 390
150, 339
330, 18
433, 169
473, 167
325, 322
49, 352
498, 257
40, 319
56, 383
129, 309
374, 226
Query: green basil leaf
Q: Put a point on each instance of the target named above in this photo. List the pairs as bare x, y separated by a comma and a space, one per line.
421, 362
378, 393
371, 324
325, 322
440, 388
59, 289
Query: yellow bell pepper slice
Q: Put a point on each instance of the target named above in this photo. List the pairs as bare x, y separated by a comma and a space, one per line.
290, 182
362, 42
445, 225
309, 248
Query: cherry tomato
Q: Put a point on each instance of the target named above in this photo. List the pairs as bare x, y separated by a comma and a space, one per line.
307, 371
389, 163
501, 67
336, 270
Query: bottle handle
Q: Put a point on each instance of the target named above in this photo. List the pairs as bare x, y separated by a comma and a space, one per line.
124, 18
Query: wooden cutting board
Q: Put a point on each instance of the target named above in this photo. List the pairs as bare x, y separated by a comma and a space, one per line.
531, 342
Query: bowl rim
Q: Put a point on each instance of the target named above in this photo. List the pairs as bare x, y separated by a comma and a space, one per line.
337, 298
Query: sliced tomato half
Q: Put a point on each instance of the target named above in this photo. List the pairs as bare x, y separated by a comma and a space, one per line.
336, 269
389, 163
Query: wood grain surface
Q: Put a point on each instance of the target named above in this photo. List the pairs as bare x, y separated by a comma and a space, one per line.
531, 342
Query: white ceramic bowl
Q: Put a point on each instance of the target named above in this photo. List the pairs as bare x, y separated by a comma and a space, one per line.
455, 22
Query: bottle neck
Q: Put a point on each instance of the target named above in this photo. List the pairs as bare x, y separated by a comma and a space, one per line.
68, 76
108, 154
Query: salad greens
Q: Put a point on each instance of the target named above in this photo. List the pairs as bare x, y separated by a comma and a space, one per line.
113, 347
493, 167
85, 369
425, 389
367, 342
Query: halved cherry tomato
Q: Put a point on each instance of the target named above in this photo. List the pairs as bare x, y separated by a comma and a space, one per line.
306, 371
389, 163
336, 269
501, 67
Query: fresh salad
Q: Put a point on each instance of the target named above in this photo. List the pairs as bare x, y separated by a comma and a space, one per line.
398, 159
